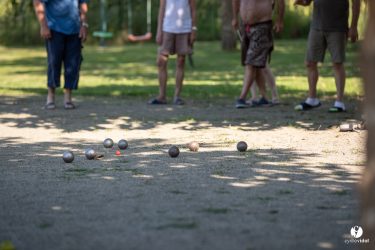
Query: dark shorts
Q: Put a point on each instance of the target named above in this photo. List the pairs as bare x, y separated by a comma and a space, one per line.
257, 44
67, 50
320, 41
175, 44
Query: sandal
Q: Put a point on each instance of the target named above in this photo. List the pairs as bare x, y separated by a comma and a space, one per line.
69, 105
305, 106
336, 110
178, 101
50, 106
156, 102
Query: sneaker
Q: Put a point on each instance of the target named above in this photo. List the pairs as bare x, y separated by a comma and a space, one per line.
263, 101
156, 102
336, 110
241, 104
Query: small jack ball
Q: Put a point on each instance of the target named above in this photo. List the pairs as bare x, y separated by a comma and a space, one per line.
242, 146
118, 153
68, 157
173, 152
193, 146
108, 143
122, 144
90, 154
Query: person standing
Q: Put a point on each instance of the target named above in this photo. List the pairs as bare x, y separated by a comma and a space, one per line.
176, 35
257, 43
63, 25
329, 30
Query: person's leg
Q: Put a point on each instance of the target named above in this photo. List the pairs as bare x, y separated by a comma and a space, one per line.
312, 77
72, 65
55, 49
180, 72
271, 82
340, 77
260, 81
163, 77
336, 46
253, 93
248, 80
316, 47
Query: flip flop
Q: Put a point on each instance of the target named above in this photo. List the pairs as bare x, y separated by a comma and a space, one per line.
157, 102
50, 106
305, 106
336, 110
69, 105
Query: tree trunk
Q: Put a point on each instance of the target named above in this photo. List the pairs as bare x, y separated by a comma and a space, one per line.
228, 37
368, 181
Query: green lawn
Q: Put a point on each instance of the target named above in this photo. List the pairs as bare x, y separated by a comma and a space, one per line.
130, 71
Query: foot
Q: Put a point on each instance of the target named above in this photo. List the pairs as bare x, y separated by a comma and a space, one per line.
156, 101
303, 106
241, 103
50, 106
69, 105
178, 101
263, 101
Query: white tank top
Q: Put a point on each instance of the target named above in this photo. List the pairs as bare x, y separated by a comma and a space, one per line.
177, 17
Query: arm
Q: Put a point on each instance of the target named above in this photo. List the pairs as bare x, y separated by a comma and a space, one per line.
236, 10
83, 18
45, 32
159, 34
353, 30
193, 21
279, 25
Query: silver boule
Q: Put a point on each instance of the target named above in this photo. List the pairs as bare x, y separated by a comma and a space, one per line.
68, 157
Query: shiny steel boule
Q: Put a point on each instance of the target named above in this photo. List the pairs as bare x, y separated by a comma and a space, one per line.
68, 157
122, 144
108, 143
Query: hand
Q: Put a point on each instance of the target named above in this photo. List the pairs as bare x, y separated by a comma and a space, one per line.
235, 23
83, 33
353, 34
159, 38
279, 26
193, 36
45, 32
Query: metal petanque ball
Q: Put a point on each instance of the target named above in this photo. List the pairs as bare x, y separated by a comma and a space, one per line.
173, 152
90, 154
68, 157
108, 143
242, 146
122, 144
193, 146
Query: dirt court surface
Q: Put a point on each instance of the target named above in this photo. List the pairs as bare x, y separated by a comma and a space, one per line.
295, 187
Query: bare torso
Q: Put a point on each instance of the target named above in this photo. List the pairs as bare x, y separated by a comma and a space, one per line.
255, 11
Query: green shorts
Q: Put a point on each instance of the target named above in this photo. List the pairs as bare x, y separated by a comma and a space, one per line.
320, 41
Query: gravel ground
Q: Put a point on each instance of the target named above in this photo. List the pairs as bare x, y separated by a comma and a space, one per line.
295, 187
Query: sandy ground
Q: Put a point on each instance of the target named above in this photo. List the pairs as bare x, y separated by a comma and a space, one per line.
295, 187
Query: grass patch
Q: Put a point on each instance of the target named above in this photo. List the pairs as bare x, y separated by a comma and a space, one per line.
130, 71
341, 192
285, 192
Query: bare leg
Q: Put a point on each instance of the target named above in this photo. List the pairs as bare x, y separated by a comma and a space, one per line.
180, 73
313, 77
253, 92
340, 76
51, 95
163, 76
271, 82
67, 95
260, 80
249, 77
